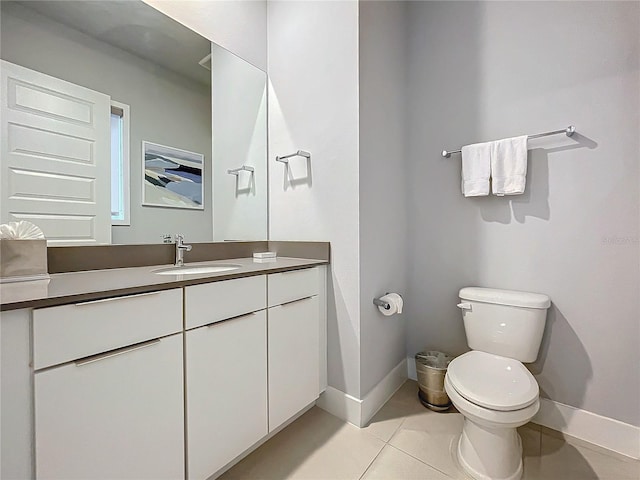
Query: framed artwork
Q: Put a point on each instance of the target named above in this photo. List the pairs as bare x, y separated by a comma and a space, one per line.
172, 177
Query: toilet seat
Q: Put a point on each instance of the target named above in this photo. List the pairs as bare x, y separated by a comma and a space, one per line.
493, 382
488, 417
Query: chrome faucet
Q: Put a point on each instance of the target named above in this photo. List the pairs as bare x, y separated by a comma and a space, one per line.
180, 249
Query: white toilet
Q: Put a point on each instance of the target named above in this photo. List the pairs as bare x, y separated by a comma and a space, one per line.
489, 385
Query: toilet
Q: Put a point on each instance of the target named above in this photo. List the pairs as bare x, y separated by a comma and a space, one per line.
490, 386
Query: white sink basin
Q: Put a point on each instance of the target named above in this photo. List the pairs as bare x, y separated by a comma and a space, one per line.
196, 270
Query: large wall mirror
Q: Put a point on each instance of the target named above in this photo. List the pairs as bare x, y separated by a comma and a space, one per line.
120, 125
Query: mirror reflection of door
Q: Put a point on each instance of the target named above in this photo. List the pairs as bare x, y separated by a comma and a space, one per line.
55, 156
157, 76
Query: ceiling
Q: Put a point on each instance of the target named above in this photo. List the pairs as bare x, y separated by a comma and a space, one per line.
135, 27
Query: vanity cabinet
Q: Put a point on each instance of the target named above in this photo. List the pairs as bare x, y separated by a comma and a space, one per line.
294, 342
226, 399
165, 384
112, 414
248, 373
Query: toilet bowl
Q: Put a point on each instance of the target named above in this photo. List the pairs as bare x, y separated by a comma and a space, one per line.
490, 386
495, 395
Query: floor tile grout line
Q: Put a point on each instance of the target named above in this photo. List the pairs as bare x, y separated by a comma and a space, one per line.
421, 461
398, 428
540, 442
371, 462
371, 434
404, 419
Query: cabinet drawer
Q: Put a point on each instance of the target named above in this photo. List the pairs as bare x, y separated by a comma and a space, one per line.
288, 286
213, 302
69, 332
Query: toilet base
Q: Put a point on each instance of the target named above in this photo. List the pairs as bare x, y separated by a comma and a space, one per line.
487, 453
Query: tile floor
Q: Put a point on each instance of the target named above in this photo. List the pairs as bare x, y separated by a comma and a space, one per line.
406, 441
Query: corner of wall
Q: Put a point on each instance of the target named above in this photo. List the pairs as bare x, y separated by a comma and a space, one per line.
359, 412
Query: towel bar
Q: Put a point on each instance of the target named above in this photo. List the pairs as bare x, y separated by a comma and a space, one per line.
570, 130
299, 153
236, 171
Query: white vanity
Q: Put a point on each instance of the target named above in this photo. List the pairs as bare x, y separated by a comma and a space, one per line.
172, 383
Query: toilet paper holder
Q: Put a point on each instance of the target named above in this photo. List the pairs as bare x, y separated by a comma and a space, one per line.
381, 303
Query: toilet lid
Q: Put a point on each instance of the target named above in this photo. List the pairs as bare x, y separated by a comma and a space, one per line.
492, 381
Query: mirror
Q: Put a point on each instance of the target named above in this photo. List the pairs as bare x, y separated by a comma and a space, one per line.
184, 144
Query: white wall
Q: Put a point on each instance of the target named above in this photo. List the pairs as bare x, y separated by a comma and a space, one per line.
383, 172
239, 126
485, 70
238, 26
313, 105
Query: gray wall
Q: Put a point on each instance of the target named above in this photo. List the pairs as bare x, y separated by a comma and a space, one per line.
165, 108
485, 70
383, 219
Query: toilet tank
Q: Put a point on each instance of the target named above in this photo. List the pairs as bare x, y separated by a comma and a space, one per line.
504, 322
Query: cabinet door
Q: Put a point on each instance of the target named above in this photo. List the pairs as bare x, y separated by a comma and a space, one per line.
226, 391
294, 370
117, 415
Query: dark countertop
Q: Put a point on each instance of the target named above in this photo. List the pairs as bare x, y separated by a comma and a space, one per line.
63, 288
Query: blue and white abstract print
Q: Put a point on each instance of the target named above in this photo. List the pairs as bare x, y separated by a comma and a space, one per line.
172, 177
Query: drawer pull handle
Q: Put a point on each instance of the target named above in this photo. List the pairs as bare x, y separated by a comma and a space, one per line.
229, 319
294, 301
115, 353
296, 270
102, 300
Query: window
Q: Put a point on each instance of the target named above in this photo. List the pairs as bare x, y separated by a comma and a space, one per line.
119, 164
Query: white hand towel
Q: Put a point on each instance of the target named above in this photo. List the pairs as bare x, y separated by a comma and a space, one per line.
476, 169
509, 166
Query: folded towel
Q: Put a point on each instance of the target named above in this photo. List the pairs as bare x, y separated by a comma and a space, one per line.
476, 169
509, 166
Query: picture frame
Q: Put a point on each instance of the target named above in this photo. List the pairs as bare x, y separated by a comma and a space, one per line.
172, 177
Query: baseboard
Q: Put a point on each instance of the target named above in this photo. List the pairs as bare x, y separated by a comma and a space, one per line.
382, 392
590, 427
357, 411
341, 405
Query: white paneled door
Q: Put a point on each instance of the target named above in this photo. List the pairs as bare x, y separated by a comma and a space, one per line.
55, 157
